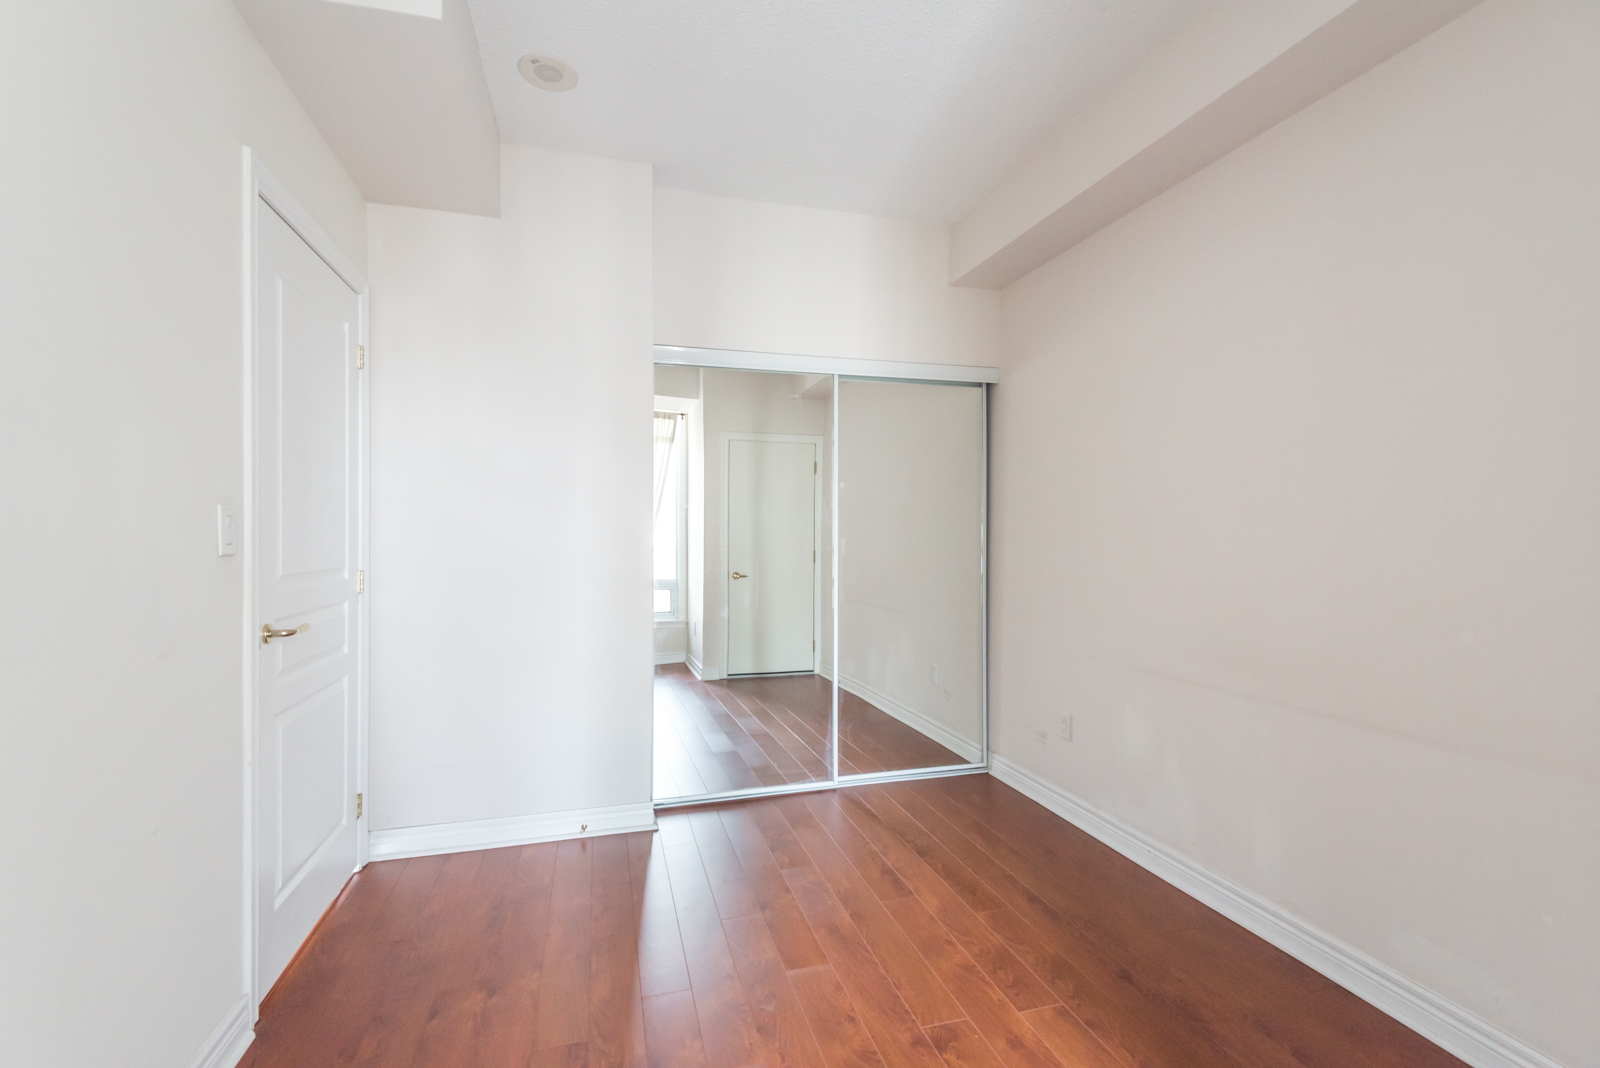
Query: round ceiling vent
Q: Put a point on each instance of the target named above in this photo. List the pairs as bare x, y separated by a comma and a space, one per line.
548, 72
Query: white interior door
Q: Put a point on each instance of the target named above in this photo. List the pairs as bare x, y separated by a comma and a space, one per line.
306, 554
772, 523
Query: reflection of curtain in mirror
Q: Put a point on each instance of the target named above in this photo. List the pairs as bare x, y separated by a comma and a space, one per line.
666, 434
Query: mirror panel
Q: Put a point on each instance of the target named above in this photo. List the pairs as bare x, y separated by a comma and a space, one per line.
911, 625
746, 707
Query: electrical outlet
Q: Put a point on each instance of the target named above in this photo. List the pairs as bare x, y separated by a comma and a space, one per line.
1064, 730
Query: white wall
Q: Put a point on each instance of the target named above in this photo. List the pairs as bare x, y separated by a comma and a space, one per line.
121, 336
1297, 503
737, 274
511, 393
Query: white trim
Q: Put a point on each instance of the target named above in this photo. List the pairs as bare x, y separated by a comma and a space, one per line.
983, 573
823, 365
833, 577
261, 185
671, 658
931, 728
226, 1045
1448, 1025
696, 667
510, 831
364, 599
300, 221
815, 441
868, 779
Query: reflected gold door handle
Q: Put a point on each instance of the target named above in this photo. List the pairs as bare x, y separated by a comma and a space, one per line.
737, 575
267, 633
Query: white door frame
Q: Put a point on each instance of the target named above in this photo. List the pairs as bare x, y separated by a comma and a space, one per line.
728, 438
260, 184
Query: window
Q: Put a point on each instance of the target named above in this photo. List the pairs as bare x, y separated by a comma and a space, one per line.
672, 516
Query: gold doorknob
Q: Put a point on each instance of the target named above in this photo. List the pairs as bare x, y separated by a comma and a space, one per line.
737, 575
267, 633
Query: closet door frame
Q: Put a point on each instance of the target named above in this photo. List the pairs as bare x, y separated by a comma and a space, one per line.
839, 368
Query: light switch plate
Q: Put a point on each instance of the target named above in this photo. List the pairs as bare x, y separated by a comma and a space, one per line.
225, 531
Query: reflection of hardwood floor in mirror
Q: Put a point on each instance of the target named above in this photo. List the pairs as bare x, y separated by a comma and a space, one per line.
737, 733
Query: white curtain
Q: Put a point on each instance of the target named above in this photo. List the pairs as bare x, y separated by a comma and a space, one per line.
667, 424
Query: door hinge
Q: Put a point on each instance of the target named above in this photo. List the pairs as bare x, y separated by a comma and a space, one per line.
358, 806
813, 467
361, 582
361, 356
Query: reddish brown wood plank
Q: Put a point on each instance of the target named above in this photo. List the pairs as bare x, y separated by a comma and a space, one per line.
726, 1028
562, 1016
900, 1041
573, 1056
1094, 978
733, 894
514, 950
839, 1031
1016, 1044
953, 905
1073, 1043
455, 1017
786, 1038
960, 878
796, 943
962, 1046
616, 1016
786, 849
878, 873
661, 965
1136, 955
919, 988
295, 1026
672, 1031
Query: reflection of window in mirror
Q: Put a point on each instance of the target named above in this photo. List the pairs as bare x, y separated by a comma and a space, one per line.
671, 515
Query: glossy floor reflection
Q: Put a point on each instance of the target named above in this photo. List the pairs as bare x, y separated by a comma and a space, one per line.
738, 733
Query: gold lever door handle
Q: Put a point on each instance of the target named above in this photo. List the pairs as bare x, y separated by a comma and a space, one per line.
267, 633
737, 575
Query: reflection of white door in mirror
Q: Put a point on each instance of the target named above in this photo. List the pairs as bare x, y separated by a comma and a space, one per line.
772, 555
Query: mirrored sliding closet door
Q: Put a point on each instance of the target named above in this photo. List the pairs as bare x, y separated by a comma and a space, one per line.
911, 592
757, 690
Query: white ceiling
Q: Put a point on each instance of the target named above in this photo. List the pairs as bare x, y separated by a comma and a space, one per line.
903, 108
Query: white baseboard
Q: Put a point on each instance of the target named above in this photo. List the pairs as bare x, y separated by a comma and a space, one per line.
226, 1046
969, 751
699, 669
1453, 1028
671, 658
510, 831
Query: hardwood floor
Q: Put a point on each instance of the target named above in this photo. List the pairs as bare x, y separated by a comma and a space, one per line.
737, 733
948, 923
